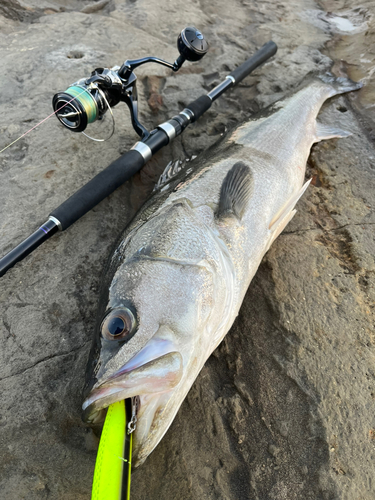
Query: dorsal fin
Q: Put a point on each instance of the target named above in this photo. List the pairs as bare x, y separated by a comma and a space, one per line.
171, 170
235, 191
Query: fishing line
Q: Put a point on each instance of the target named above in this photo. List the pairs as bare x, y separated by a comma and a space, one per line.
110, 110
37, 125
88, 108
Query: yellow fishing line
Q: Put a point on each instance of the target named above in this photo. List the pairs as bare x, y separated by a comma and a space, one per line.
110, 462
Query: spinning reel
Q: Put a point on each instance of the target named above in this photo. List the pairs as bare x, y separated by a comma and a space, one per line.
88, 99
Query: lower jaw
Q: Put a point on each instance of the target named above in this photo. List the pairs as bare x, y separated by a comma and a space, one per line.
149, 425
150, 407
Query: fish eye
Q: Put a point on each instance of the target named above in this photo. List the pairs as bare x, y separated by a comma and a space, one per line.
119, 324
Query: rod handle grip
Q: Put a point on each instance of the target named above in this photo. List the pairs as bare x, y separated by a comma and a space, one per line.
101, 186
199, 106
268, 50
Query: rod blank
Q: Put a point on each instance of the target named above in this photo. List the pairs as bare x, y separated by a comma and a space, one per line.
28, 245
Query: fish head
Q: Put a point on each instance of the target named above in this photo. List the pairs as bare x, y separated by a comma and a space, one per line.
149, 344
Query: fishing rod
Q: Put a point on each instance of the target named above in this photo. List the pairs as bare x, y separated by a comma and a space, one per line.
87, 101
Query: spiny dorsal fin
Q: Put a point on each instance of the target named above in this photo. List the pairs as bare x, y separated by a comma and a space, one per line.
171, 170
236, 191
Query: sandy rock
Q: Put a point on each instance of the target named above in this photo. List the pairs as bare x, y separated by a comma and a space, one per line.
284, 408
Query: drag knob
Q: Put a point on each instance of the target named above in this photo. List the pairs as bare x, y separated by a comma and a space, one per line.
191, 44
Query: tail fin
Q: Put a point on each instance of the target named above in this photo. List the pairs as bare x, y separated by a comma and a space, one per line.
335, 85
340, 84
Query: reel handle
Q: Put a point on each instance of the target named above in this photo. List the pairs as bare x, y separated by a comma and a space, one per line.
191, 45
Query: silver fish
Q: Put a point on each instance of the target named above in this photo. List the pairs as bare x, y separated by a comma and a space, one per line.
175, 283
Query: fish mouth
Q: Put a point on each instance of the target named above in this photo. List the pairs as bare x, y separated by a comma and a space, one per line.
151, 377
157, 376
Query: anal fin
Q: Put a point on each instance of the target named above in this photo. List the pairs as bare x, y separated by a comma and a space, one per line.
236, 191
280, 226
288, 207
323, 132
285, 215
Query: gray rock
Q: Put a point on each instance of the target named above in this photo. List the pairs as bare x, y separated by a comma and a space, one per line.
284, 408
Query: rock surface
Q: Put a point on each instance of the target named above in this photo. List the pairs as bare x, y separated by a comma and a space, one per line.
284, 408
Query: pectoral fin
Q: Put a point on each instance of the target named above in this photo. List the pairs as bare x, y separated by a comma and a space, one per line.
236, 191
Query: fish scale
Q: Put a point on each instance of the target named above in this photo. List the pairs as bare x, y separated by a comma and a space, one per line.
180, 234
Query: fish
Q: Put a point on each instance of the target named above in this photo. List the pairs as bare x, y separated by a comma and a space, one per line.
177, 278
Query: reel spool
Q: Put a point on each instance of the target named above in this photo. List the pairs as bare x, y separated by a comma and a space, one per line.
80, 107
87, 100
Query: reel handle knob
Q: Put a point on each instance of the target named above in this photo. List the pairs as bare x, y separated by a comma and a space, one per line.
191, 45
